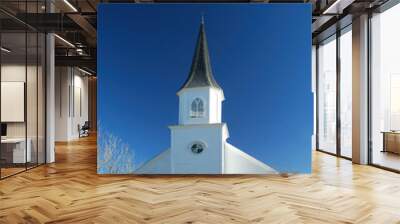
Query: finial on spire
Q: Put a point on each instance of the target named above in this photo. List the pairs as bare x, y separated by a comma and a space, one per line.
202, 18
200, 74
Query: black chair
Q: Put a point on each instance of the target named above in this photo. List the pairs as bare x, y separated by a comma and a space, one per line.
84, 130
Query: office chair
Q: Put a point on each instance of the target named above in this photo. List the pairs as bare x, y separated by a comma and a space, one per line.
84, 130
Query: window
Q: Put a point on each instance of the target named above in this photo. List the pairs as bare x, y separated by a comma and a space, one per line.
197, 148
346, 92
335, 94
385, 89
327, 95
197, 108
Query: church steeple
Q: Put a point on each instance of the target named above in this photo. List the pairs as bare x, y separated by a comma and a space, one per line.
201, 73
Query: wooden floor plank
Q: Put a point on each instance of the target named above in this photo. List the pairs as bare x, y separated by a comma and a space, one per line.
70, 191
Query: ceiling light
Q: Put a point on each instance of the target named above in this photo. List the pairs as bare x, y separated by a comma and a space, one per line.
65, 41
329, 9
5, 50
70, 5
79, 51
84, 71
338, 6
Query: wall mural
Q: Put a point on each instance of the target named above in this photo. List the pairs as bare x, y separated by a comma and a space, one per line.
204, 89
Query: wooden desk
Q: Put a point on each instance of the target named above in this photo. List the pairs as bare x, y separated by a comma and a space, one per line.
391, 141
13, 150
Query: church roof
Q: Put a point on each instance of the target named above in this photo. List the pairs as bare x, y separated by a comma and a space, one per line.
201, 73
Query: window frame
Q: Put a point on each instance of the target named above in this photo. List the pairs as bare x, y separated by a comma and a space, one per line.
197, 103
334, 37
203, 145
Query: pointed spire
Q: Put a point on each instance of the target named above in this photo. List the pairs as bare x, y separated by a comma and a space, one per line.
201, 73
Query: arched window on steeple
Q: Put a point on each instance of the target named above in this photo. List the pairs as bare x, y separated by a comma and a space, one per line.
197, 108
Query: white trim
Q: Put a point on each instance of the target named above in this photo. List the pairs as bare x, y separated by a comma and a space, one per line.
200, 87
196, 125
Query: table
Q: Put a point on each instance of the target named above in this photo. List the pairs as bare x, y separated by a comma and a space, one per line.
391, 141
13, 150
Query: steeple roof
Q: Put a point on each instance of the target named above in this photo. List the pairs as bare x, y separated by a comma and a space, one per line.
201, 73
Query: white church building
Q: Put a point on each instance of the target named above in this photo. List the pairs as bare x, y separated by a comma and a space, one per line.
199, 142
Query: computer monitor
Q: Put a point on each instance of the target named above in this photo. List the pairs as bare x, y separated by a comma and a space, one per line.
3, 129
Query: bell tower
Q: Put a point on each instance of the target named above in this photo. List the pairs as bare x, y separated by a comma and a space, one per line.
198, 141
200, 97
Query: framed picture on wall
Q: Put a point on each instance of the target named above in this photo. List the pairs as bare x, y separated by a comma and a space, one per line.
204, 89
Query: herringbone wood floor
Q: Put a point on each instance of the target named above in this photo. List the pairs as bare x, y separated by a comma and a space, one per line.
70, 191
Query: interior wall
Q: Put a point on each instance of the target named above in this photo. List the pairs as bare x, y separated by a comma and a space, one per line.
71, 102
80, 112
62, 81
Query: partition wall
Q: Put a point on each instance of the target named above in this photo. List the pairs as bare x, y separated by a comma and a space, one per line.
22, 90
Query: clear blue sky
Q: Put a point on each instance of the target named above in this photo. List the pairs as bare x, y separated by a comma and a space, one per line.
260, 56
